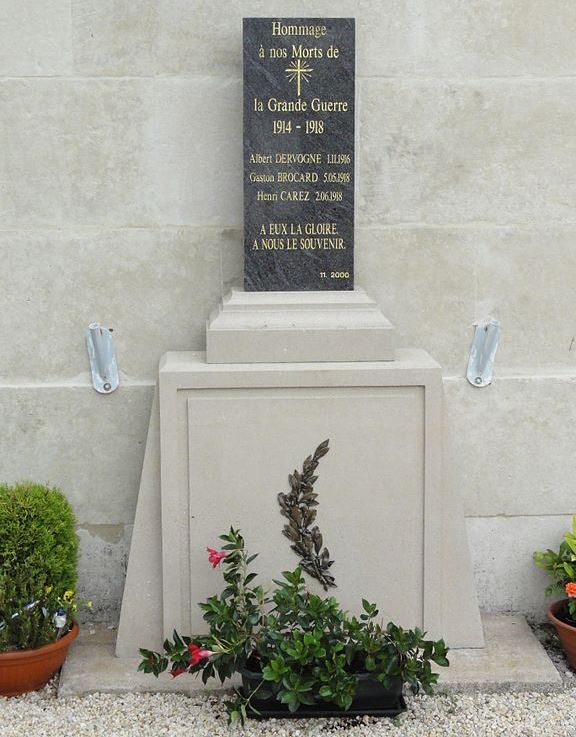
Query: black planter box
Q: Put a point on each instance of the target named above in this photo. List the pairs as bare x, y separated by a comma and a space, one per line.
371, 699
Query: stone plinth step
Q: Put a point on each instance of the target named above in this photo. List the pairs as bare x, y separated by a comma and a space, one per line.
274, 327
513, 659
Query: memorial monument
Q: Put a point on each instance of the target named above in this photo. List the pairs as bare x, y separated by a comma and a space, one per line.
298, 356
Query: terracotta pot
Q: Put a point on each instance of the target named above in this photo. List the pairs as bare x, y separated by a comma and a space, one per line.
566, 632
29, 670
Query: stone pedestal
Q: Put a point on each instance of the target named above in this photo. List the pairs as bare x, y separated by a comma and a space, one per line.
224, 436
293, 327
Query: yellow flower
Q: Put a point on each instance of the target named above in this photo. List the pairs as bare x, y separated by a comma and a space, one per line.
68, 595
48, 590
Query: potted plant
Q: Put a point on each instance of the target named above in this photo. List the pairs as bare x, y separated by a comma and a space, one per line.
38, 571
561, 566
296, 651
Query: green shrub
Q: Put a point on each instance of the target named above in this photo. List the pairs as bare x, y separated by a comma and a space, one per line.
561, 567
307, 649
38, 562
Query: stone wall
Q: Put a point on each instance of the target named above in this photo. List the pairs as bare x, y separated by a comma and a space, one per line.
120, 201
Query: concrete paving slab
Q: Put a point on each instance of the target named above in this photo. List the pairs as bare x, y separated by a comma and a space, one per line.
92, 667
513, 659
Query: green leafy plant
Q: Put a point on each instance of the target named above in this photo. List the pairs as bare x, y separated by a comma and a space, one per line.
38, 565
306, 647
561, 566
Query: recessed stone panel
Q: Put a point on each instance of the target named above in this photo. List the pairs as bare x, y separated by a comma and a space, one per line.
237, 425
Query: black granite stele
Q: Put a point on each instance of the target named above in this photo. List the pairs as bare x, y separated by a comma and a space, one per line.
298, 153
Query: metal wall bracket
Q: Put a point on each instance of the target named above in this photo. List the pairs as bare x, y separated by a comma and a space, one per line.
482, 353
102, 359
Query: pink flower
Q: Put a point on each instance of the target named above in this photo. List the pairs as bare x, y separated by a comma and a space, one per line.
178, 672
197, 653
215, 556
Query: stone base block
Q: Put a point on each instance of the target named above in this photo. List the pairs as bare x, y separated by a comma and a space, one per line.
222, 440
273, 327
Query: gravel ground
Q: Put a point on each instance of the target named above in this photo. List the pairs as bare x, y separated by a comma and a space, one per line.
133, 715
546, 633
42, 714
